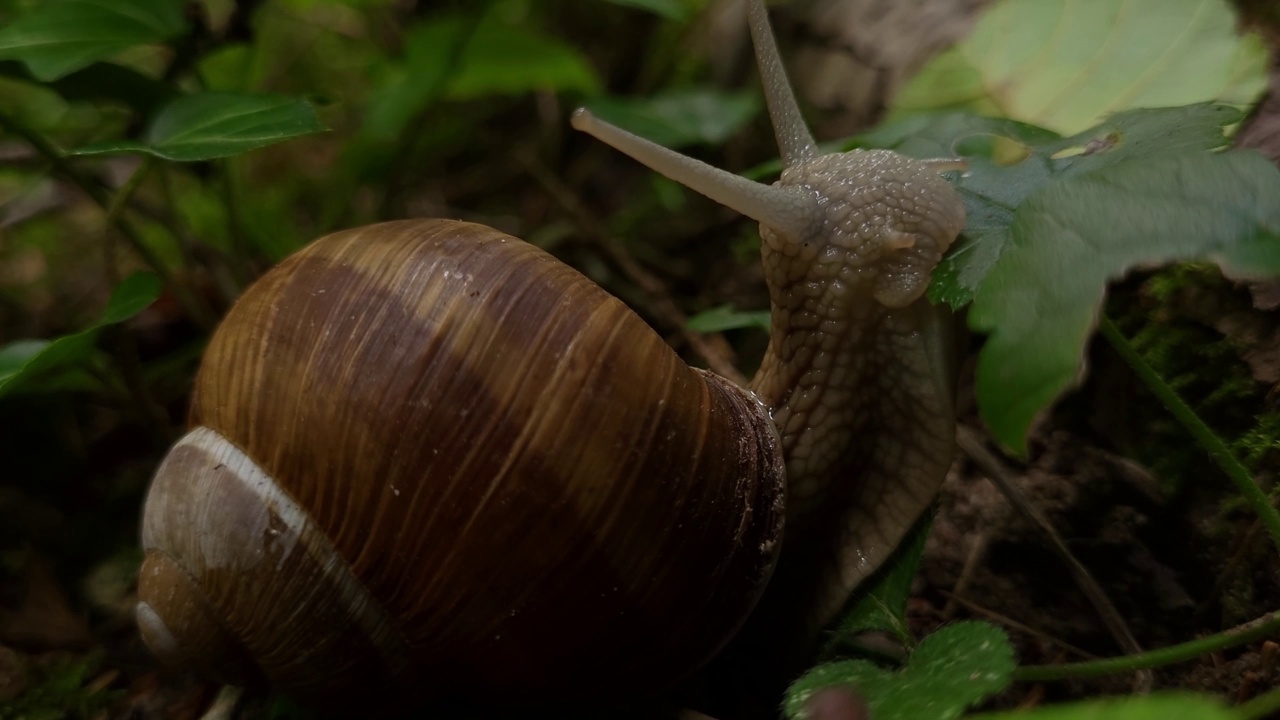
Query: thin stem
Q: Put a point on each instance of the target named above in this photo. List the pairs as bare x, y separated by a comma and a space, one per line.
195, 308
150, 414
657, 296
969, 442
1260, 707
54, 156
1239, 635
115, 209
1208, 440
239, 245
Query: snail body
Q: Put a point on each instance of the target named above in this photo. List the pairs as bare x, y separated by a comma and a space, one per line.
425, 454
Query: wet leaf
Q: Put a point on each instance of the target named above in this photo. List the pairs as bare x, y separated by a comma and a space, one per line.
956, 667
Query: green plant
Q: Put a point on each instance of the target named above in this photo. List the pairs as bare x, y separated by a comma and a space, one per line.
1065, 195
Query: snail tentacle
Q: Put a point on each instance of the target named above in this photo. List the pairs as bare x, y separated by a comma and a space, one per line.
789, 210
795, 142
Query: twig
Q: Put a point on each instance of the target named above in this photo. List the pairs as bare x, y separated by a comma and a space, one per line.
403, 158
114, 210
1203, 435
1239, 635
150, 414
1243, 548
972, 446
235, 225
197, 310
1009, 622
1262, 706
977, 552
661, 303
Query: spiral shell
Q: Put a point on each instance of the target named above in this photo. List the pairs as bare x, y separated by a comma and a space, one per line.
426, 452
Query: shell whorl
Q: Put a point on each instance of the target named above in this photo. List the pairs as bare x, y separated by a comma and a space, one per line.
527, 481
239, 584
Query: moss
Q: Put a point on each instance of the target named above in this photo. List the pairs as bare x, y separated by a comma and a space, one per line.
1204, 367
60, 691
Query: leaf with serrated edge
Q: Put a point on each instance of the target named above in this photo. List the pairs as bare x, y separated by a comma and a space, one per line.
1040, 301
954, 668
1045, 233
992, 192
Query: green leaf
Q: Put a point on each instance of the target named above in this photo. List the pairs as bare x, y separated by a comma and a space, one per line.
670, 9
432, 50
724, 317
883, 605
992, 190
1160, 706
1066, 64
23, 361
956, 667
61, 36
1051, 220
133, 295
211, 125
506, 58
1040, 301
680, 118
462, 57
103, 81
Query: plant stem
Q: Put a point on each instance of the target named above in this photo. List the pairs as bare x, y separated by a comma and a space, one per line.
115, 209
191, 303
239, 246
54, 156
1239, 635
1260, 707
150, 414
1208, 440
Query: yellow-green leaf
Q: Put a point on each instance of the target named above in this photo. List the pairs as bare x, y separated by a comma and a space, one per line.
1065, 64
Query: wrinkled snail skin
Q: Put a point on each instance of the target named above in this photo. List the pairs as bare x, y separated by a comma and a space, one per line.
428, 456
858, 371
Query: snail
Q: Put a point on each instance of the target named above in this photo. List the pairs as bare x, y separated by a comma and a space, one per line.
426, 457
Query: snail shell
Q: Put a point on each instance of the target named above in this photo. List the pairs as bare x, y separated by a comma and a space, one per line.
427, 452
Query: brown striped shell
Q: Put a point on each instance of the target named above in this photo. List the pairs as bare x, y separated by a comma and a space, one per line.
425, 452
